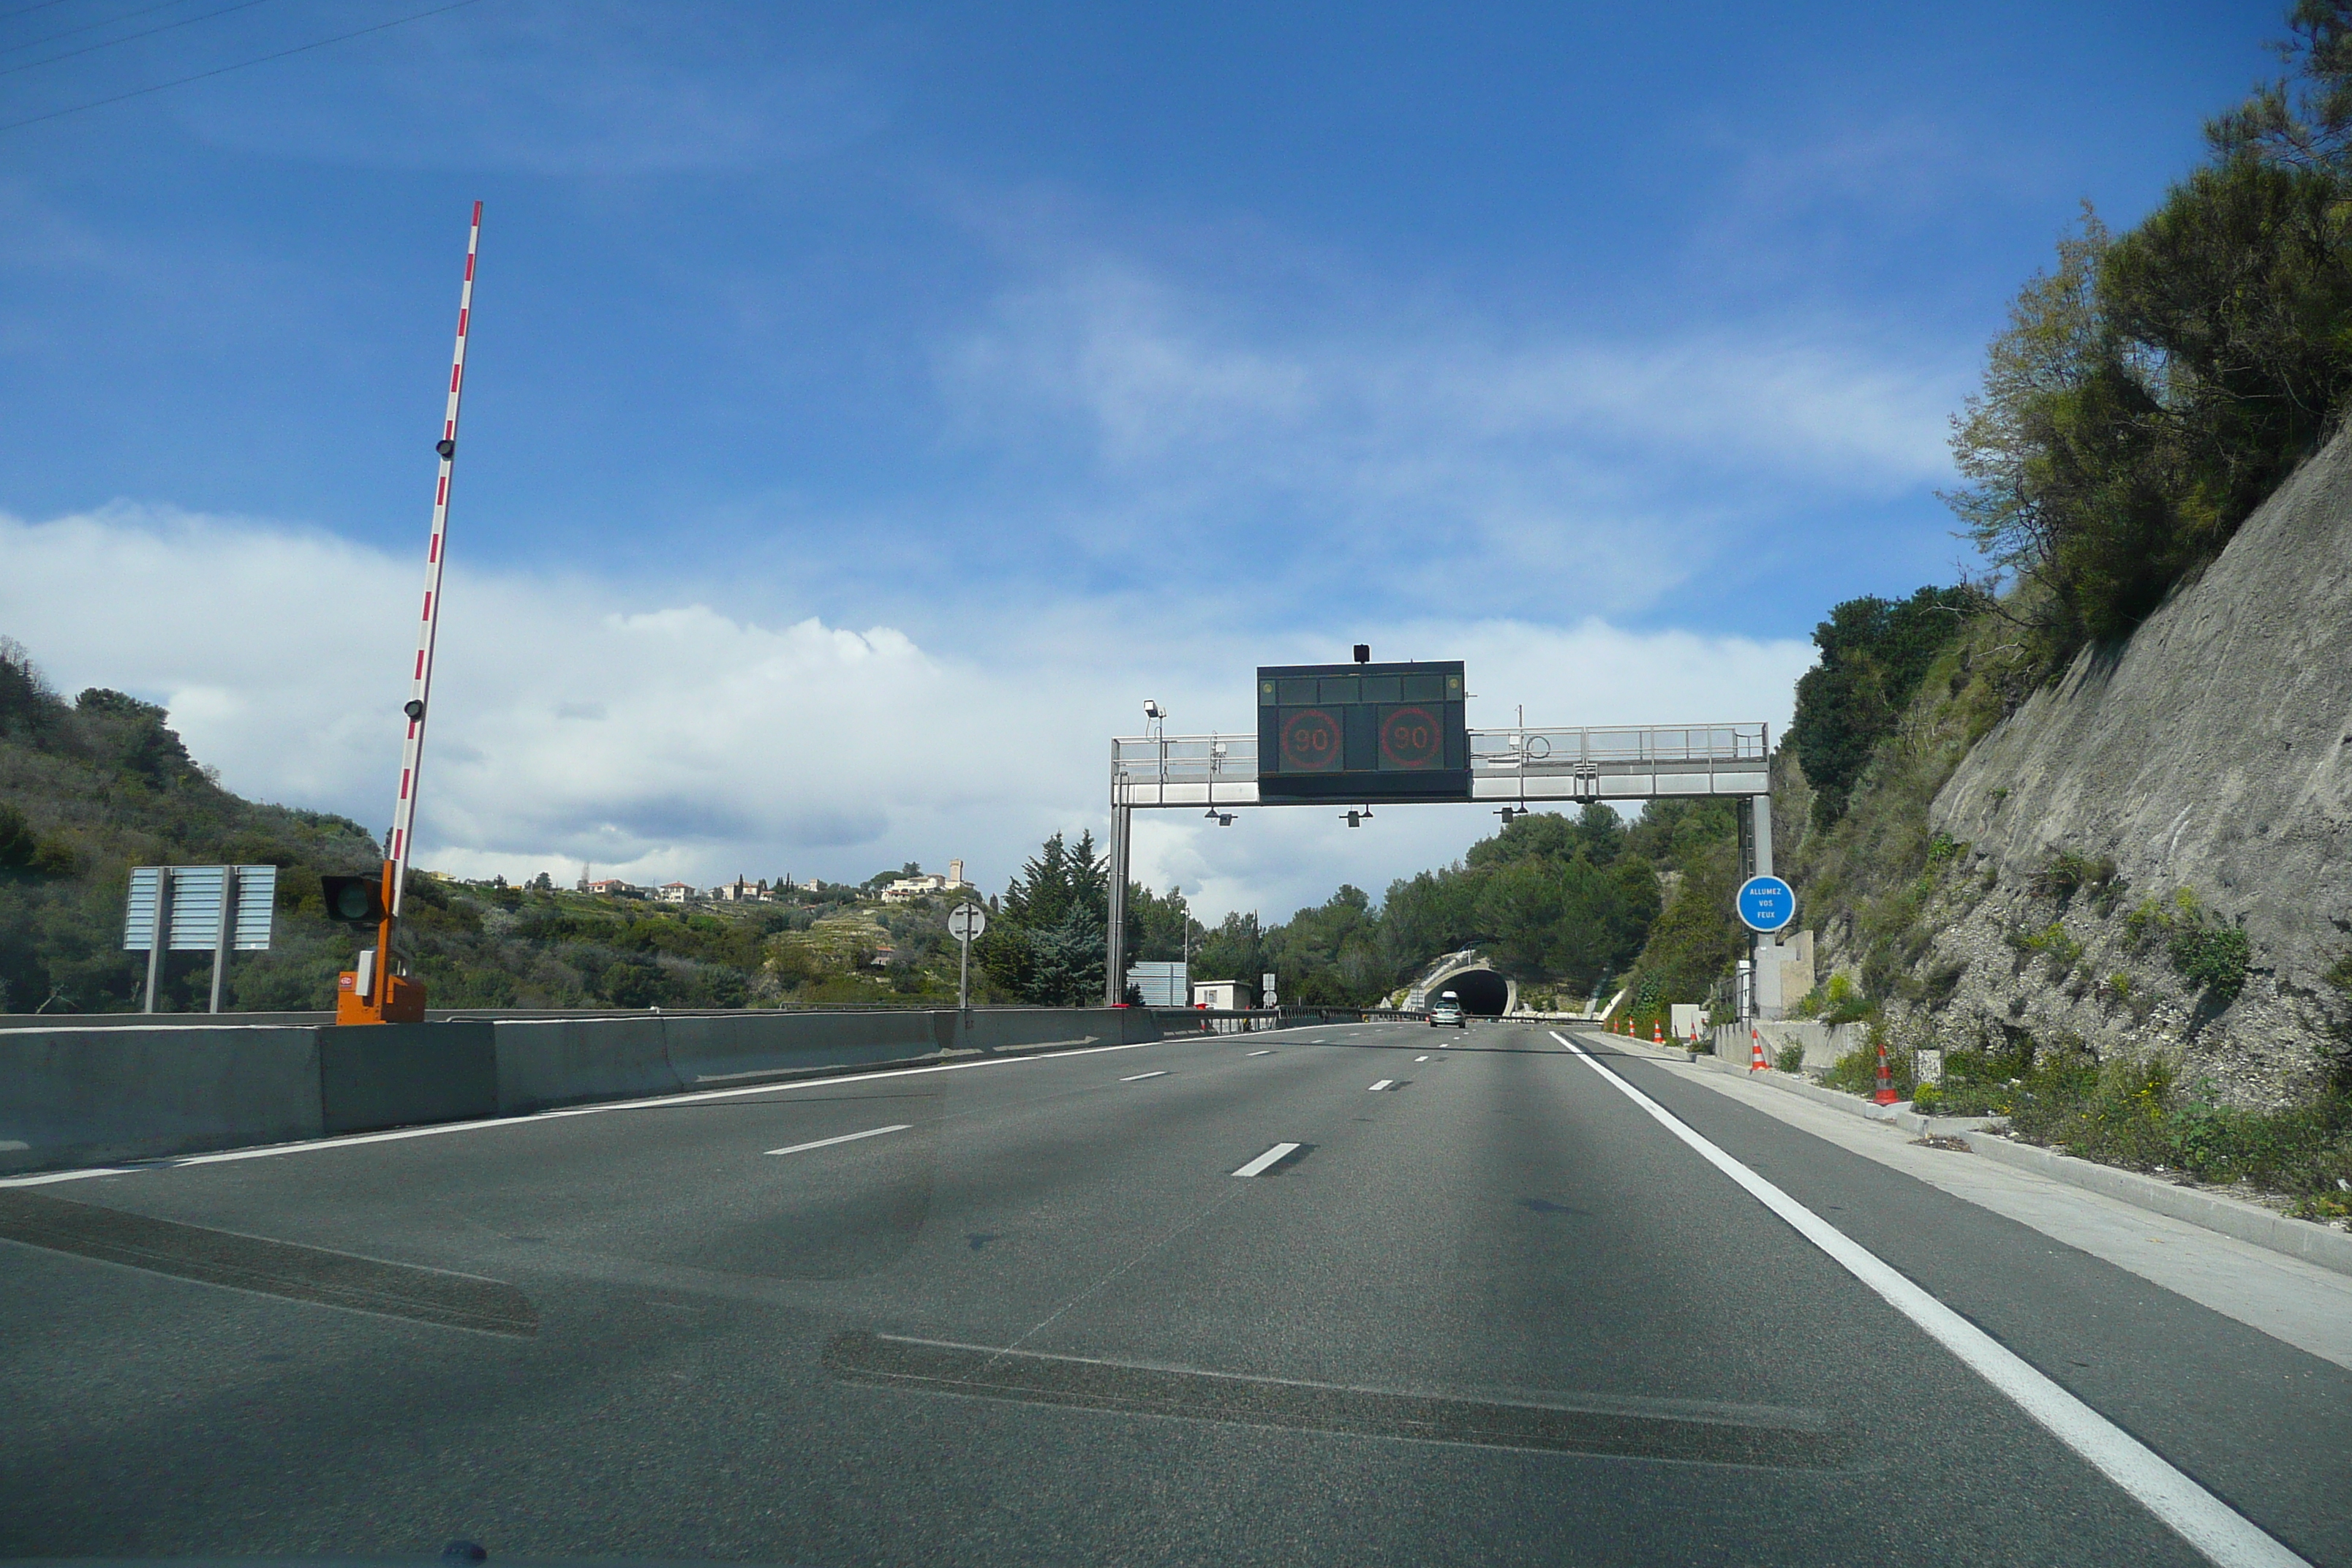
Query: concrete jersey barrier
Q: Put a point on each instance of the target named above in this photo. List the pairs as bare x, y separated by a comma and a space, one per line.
106, 1093
713, 1053
92, 1097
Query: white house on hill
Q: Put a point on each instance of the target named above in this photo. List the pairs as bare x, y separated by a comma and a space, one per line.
931, 884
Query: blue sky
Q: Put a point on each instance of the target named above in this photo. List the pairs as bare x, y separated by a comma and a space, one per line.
868, 406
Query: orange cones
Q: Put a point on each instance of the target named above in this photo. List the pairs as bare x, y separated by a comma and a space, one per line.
1886, 1095
1755, 1062
1658, 1033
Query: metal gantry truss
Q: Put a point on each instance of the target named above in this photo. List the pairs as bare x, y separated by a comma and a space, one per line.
1523, 765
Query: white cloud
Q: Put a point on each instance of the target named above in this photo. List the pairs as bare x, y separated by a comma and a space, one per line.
1365, 451
584, 720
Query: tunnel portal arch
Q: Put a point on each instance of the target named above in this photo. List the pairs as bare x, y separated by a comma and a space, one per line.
1483, 991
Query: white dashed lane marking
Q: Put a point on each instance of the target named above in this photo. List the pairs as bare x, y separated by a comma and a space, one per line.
1273, 1156
844, 1138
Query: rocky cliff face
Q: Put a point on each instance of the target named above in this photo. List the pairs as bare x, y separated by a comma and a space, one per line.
2156, 852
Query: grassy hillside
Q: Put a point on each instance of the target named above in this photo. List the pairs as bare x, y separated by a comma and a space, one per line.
93, 787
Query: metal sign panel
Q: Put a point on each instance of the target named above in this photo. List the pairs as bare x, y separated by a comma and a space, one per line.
1362, 732
193, 920
1161, 984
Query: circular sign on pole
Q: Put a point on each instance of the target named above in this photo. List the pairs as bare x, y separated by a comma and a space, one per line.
1766, 904
966, 921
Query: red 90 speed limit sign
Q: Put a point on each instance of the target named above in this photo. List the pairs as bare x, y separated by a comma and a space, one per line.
1411, 738
1311, 742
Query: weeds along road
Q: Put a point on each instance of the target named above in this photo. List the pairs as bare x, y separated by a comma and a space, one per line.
1490, 1307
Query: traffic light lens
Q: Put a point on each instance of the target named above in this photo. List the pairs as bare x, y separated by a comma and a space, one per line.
355, 898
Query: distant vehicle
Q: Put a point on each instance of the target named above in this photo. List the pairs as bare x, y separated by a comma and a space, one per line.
1447, 1009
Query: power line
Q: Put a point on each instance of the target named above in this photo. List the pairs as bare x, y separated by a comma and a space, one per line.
240, 65
130, 37
88, 26
29, 10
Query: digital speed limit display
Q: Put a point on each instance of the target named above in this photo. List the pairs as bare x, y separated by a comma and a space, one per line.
1362, 732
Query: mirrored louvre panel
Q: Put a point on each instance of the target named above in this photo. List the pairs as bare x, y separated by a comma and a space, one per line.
256, 906
138, 910
198, 894
1362, 732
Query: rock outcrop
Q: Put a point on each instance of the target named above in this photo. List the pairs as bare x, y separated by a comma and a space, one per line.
2102, 842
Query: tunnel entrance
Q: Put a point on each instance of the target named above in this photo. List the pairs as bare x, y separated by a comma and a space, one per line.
1480, 991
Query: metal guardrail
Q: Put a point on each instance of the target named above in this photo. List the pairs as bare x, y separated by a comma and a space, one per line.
1544, 763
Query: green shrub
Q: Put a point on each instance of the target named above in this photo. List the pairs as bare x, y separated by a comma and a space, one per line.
2206, 950
2130, 1113
2213, 957
2067, 873
1789, 1058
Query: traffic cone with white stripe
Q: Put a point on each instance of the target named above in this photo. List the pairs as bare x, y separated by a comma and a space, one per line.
1755, 1062
1886, 1095
1658, 1032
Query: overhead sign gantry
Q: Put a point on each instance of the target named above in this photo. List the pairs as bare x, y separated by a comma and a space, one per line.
1361, 734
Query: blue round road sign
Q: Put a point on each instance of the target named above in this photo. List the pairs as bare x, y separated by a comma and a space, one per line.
1767, 903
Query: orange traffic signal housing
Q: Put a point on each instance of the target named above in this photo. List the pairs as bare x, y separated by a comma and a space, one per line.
372, 993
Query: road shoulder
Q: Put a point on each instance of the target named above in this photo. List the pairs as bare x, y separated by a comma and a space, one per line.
2297, 1302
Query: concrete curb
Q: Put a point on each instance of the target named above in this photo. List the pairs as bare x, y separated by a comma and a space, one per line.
2324, 1245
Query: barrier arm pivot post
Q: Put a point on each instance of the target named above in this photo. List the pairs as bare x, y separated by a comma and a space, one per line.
374, 994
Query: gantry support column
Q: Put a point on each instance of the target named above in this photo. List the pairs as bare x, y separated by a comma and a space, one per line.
1115, 937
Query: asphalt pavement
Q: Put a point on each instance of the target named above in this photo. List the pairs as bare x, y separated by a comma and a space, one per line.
1026, 1311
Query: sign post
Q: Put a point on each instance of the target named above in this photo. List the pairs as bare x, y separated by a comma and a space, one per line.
1767, 905
965, 921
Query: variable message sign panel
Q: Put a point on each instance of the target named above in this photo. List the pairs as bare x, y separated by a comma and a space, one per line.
1362, 732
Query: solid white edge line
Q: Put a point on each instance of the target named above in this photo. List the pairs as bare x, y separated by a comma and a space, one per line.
1381, 1085
272, 1150
844, 1138
2200, 1518
1280, 1152
1138, 1078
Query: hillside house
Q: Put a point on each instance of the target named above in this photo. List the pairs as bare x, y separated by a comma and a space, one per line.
929, 884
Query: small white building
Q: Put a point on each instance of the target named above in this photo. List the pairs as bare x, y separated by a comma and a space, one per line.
741, 891
675, 892
1221, 995
610, 886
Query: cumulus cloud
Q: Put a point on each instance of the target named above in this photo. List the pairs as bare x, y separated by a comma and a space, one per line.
1362, 450
587, 721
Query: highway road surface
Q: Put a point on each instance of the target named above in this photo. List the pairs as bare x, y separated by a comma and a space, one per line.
1380, 1294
